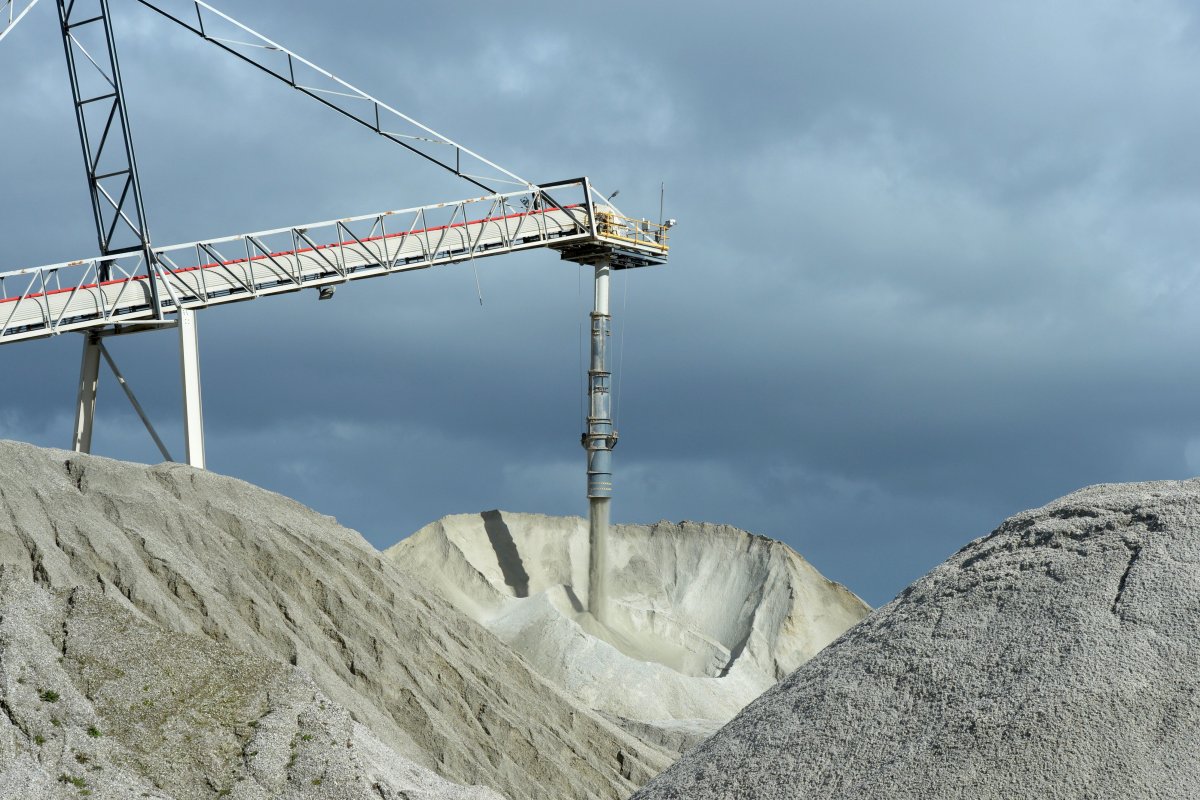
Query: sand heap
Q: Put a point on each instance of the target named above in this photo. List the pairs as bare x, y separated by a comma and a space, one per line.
701, 618
1058, 657
208, 578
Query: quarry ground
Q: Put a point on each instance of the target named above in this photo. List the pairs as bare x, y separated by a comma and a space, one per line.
224, 641
170, 633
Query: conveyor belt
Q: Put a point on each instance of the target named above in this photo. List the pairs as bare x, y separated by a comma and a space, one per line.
45, 301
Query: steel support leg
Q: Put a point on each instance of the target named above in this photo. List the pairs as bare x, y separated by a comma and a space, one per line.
85, 400
193, 417
599, 441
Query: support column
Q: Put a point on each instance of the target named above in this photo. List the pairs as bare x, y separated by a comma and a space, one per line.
193, 416
599, 441
85, 399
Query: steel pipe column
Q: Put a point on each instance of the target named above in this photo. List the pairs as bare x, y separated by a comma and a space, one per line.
85, 399
193, 416
599, 441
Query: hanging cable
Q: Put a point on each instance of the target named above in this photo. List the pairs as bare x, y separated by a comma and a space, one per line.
621, 353
579, 315
478, 288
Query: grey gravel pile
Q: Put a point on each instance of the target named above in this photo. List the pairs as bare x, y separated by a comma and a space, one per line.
100, 704
1058, 657
194, 553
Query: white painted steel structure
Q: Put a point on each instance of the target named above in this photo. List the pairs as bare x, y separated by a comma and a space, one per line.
133, 286
54, 299
189, 367
46, 301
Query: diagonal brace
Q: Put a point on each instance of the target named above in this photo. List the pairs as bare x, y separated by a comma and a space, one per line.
112, 365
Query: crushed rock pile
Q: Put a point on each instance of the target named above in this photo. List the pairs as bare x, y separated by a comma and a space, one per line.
1058, 657
700, 619
196, 554
99, 703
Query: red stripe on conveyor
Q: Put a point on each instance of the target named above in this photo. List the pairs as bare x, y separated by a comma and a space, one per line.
302, 250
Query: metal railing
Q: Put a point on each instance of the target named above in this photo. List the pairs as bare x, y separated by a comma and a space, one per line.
639, 232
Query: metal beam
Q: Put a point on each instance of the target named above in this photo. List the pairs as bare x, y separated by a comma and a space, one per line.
85, 398
193, 416
133, 401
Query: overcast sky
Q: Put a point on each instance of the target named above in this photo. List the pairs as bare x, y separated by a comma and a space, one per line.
936, 262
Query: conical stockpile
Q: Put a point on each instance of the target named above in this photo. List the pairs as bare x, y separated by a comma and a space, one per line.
1058, 657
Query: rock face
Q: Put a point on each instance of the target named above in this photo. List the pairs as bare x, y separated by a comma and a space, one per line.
701, 618
1058, 657
194, 553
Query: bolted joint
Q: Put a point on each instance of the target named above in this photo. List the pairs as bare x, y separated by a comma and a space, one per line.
599, 441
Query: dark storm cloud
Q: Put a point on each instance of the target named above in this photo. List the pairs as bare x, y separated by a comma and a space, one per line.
935, 262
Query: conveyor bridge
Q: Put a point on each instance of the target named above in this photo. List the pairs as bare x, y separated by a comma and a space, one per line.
134, 285
104, 291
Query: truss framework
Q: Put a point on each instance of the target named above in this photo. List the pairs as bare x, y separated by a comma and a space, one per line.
103, 122
132, 286
45, 301
103, 125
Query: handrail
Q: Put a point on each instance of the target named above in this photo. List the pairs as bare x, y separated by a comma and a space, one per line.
640, 232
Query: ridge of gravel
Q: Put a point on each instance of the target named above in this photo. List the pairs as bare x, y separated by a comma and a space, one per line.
1057, 657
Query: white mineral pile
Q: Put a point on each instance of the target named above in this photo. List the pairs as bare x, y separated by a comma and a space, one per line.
698, 621
239, 640
1058, 657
